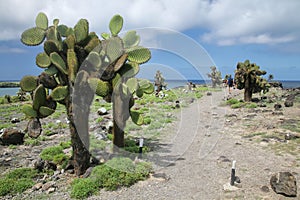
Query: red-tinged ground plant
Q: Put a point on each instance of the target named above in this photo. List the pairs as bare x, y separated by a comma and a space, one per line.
248, 77
77, 64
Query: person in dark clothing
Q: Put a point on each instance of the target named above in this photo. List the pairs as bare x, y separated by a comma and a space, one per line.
230, 83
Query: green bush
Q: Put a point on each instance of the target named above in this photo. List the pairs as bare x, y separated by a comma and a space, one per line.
116, 173
83, 187
54, 154
237, 105
17, 181
251, 105
232, 101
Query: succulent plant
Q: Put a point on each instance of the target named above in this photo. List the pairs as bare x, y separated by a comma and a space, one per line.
248, 77
75, 57
215, 76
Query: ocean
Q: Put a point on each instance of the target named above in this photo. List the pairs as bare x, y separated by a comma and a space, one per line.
171, 84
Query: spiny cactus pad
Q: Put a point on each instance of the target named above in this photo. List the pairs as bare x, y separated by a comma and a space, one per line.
29, 111
100, 87
72, 64
33, 36
93, 43
50, 46
139, 55
136, 117
45, 111
115, 25
59, 93
130, 69
28, 83
81, 30
62, 29
41, 21
39, 97
58, 62
132, 84
114, 48
51, 70
43, 60
94, 60
146, 86
131, 39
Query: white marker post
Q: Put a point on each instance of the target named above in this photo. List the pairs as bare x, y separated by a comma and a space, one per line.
232, 179
141, 143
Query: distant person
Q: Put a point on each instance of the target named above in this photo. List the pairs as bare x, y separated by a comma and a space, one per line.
230, 83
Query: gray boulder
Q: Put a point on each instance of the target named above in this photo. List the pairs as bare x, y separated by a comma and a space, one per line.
284, 183
12, 136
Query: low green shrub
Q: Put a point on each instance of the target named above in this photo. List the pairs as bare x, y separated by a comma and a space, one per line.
17, 181
116, 173
250, 105
232, 101
237, 105
54, 154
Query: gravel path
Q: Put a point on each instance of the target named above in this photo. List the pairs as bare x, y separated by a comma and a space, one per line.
195, 161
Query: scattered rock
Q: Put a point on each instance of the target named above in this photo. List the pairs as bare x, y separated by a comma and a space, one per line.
160, 176
48, 185
208, 93
12, 136
288, 103
265, 188
177, 104
290, 136
284, 183
277, 106
34, 128
41, 165
223, 159
102, 111
15, 120
228, 188
37, 186
277, 113
256, 100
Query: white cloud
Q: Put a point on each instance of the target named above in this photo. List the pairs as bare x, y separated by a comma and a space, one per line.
6, 49
226, 22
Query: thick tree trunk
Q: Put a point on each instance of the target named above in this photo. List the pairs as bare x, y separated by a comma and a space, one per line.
120, 115
80, 143
248, 90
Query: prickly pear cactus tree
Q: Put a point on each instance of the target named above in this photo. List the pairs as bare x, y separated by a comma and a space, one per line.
248, 77
159, 81
78, 64
215, 76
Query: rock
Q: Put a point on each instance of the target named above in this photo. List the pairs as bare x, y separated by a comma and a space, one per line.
15, 120
208, 93
277, 113
34, 128
37, 186
277, 106
12, 136
48, 185
256, 100
102, 111
265, 188
51, 190
284, 183
228, 188
290, 136
177, 104
288, 103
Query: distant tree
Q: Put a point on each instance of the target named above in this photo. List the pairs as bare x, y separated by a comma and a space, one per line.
159, 81
248, 77
215, 76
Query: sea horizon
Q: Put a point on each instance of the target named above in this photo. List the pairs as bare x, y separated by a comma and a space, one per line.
171, 83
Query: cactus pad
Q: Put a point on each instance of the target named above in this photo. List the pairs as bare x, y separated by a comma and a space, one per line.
81, 30
58, 62
105, 36
51, 70
129, 70
70, 41
132, 85
101, 88
50, 46
120, 62
114, 48
136, 117
45, 111
94, 60
131, 39
146, 86
39, 97
28, 83
62, 29
72, 64
29, 111
139, 55
33, 36
139, 93
43, 60
41, 21
115, 25
93, 43
59, 93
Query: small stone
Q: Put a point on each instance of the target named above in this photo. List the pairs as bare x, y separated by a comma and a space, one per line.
265, 188
208, 93
288, 103
284, 183
37, 186
228, 188
48, 185
102, 111
51, 190
277, 106
15, 120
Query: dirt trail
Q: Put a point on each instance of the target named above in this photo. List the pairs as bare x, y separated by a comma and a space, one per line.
195, 159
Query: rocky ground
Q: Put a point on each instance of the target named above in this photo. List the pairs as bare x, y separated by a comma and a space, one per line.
193, 156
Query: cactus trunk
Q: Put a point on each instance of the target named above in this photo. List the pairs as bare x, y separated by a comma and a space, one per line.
81, 156
248, 90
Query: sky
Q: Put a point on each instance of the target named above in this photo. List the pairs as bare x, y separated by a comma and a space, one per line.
186, 37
